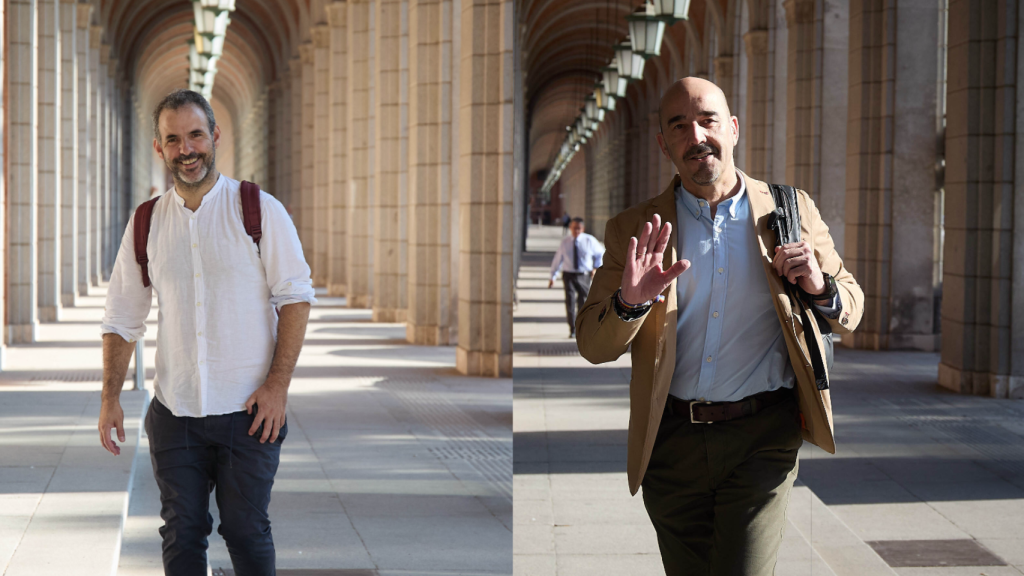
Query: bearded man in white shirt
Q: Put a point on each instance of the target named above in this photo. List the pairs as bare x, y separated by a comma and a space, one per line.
232, 320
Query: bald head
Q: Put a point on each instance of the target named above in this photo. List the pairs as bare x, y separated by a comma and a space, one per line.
698, 133
693, 89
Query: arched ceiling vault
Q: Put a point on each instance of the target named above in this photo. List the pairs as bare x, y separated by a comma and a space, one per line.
564, 43
149, 39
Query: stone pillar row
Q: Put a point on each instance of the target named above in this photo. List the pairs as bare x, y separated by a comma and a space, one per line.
66, 115
394, 137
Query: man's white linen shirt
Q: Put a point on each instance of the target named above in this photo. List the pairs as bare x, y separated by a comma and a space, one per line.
590, 250
217, 293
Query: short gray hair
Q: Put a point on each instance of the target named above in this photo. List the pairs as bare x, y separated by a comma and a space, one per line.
178, 99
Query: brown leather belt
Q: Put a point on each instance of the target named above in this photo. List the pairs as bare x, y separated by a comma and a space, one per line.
710, 412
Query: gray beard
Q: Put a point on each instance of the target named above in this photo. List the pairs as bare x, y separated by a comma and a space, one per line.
706, 176
185, 185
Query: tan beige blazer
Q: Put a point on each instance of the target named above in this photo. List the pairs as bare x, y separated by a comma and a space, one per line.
603, 337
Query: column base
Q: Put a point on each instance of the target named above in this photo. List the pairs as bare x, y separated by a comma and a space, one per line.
475, 363
69, 300
359, 301
426, 335
981, 383
83, 289
389, 314
22, 333
49, 314
336, 290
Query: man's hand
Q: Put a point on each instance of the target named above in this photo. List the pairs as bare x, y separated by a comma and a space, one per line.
797, 264
111, 416
271, 400
642, 276
551, 283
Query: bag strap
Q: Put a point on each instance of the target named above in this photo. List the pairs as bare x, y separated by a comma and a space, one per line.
140, 223
251, 217
785, 220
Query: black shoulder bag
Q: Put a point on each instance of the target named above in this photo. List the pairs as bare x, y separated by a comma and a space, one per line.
785, 222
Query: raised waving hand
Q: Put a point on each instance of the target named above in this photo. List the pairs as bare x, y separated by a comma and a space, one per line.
643, 277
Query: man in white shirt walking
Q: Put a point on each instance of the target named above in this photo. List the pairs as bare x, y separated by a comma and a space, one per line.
580, 254
233, 316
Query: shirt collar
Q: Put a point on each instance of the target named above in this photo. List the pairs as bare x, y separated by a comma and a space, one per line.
695, 205
216, 188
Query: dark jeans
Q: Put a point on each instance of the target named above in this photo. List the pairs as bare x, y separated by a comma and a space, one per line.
191, 457
577, 286
717, 493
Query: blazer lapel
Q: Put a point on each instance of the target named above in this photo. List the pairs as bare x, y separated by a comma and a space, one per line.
762, 204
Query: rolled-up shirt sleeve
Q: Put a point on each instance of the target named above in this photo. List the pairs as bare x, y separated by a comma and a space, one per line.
598, 253
128, 301
288, 274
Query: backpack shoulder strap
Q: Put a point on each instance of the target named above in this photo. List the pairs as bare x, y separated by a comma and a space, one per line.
251, 217
788, 213
140, 223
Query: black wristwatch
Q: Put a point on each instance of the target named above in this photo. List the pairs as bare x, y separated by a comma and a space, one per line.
830, 289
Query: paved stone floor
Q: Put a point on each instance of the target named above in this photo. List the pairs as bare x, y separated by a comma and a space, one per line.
394, 463
916, 465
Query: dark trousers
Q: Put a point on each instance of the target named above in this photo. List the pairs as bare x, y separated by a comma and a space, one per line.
193, 456
717, 493
577, 286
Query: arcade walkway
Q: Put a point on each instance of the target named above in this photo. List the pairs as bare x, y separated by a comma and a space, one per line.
394, 465
931, 479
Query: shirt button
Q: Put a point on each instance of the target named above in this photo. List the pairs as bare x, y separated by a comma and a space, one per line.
289, 284
197, 275
195, 245
720, 270
709, 358
715, 314
201, 362
199, 303
199, 334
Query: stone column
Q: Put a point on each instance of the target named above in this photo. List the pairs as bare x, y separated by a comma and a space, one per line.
485, 189
981, 221
430, 166
23, 111
802, 126
389, 281
816, 92
758, 129
295, 194
48, 162
95, 154
890, 177
86, 154
360, 154
322, 151
103, 165
69, 152
308, 189
724, 76
337, 18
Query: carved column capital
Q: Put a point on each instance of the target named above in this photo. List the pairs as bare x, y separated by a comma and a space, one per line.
84, 15
95, 36
306, 53
336, 12
799, 11
756, 42
321, 36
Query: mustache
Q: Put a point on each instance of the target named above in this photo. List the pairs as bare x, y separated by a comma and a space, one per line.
701, 149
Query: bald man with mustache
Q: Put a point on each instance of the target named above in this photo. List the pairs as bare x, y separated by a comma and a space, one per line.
723, 392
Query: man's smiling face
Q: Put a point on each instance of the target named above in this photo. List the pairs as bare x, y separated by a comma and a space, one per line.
186, 145
697, 132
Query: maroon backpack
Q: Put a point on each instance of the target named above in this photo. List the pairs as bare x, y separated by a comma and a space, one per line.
144, 216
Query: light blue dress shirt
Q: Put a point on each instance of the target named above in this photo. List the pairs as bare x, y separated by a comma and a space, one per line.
729, 342
591, 255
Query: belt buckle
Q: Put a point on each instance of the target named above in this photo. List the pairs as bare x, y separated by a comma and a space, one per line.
694, 421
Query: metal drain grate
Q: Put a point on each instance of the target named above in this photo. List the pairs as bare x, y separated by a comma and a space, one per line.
69, 377
462, 438
570, 350
934, 553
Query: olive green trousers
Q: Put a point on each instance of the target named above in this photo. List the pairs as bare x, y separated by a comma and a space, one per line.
717, 493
